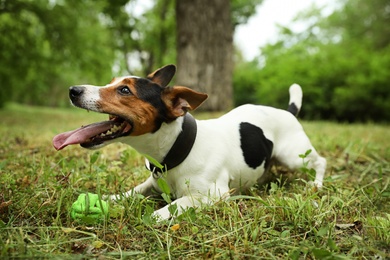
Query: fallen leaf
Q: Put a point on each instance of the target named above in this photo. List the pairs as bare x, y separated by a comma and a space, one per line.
97, 244
175, 227
4, 205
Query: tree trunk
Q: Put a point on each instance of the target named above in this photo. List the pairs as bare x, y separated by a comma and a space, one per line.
205, 50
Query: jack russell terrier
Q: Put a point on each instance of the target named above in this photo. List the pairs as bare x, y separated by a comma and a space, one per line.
204, 160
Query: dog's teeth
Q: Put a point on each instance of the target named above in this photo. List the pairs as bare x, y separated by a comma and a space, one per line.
109, 132
102, 135
117, 128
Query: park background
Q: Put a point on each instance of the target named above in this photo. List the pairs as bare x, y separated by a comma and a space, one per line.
341, 59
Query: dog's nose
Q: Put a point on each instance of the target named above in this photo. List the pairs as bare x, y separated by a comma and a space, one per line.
75, 91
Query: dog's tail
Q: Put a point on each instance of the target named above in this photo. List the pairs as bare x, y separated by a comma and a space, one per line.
295, 103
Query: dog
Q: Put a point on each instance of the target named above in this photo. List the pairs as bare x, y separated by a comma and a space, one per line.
203, 160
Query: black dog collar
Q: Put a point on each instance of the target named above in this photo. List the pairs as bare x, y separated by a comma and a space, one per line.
180, 148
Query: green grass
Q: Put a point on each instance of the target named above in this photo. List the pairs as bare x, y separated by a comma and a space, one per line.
348, 218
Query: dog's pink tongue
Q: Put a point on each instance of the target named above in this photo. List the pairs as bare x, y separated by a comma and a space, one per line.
80, 135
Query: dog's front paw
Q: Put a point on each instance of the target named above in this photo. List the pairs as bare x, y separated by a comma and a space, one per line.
318, 184
161, 215
315, 184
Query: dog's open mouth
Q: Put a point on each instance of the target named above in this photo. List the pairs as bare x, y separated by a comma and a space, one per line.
94, 134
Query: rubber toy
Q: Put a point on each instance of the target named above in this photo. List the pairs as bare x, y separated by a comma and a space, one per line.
89, 208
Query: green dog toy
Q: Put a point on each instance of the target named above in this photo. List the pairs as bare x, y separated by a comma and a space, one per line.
89, 208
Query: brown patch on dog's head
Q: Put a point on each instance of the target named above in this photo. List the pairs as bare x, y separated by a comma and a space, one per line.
126, 99
135, 105
181, 99
145, 103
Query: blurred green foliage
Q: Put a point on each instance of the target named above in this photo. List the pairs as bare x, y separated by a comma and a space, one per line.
342, 63
49, 45
342, 60
46, 46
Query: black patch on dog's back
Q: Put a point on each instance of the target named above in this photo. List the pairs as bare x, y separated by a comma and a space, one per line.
254, 145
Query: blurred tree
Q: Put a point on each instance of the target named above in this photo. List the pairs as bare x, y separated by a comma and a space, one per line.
342, 62
160, 35
147, 38
363, 21
48, 45
205, 50
242, 10
152, 39
246, 79
205, 46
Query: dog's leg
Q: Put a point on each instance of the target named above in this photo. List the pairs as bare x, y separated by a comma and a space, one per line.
289, 157
315, 161
182, 204
196, 198
144, 188
318, 163
320, 166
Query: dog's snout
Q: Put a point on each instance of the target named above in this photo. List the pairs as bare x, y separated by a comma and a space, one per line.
85, 96
75, 92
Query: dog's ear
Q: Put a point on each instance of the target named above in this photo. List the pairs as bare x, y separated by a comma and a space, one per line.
163, 75
181, 99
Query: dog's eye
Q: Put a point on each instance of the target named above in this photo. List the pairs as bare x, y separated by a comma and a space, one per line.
124, 90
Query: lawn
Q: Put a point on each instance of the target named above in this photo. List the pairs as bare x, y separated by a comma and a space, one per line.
348, 218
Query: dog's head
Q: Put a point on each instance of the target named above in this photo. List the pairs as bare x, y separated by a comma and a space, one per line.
135, 106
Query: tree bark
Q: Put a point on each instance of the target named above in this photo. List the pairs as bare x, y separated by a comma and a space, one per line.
205, 50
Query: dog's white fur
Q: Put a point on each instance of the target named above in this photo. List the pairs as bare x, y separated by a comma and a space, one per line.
215, 166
